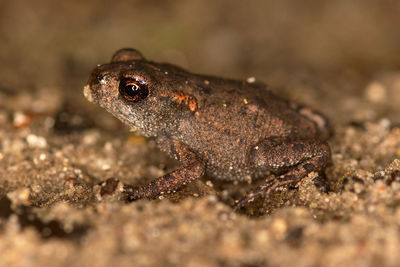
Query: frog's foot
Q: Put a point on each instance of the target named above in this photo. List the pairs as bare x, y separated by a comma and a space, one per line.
301, 157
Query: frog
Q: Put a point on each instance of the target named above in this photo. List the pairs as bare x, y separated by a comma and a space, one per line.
226, 129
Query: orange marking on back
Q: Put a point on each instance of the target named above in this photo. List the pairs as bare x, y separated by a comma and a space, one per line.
187, 100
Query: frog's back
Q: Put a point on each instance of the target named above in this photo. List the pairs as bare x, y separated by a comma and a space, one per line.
239, 107
232, 117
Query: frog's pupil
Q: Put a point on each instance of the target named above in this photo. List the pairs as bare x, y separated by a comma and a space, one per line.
132, 90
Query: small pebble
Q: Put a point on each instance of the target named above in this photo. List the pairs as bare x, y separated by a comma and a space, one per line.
251, 79
36, 141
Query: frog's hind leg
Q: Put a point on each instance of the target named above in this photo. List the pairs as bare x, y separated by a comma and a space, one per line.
295, 158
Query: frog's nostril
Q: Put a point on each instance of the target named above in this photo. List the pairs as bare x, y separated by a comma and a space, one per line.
100, 78
96, 77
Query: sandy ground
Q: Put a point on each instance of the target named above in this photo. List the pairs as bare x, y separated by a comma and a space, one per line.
55, 148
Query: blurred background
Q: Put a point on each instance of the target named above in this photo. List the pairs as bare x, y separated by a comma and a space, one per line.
339, 57
56, 44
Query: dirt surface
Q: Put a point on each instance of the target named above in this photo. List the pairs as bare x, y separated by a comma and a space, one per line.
340, 58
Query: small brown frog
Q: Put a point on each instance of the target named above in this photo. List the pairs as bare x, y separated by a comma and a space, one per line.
226, 129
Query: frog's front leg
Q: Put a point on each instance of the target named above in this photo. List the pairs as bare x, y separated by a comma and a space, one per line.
193, 169
294, 158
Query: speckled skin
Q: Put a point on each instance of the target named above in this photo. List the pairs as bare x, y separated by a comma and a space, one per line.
227, 129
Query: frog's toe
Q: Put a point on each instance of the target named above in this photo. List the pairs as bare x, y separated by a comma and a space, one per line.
132, 193
262, 190
108, 186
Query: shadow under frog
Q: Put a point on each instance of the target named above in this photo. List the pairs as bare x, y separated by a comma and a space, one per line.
226, 129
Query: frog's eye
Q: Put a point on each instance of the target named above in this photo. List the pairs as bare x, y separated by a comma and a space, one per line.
133, 90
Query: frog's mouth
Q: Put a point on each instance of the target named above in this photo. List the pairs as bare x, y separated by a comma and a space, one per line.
88, 93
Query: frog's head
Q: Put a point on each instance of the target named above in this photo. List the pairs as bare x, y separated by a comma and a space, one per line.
138, 92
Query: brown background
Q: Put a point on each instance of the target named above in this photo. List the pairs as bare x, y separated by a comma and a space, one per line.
339, 57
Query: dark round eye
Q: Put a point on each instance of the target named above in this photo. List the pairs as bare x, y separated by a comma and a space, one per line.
133, 90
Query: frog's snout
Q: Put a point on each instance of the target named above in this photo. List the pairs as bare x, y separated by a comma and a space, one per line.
93, 85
